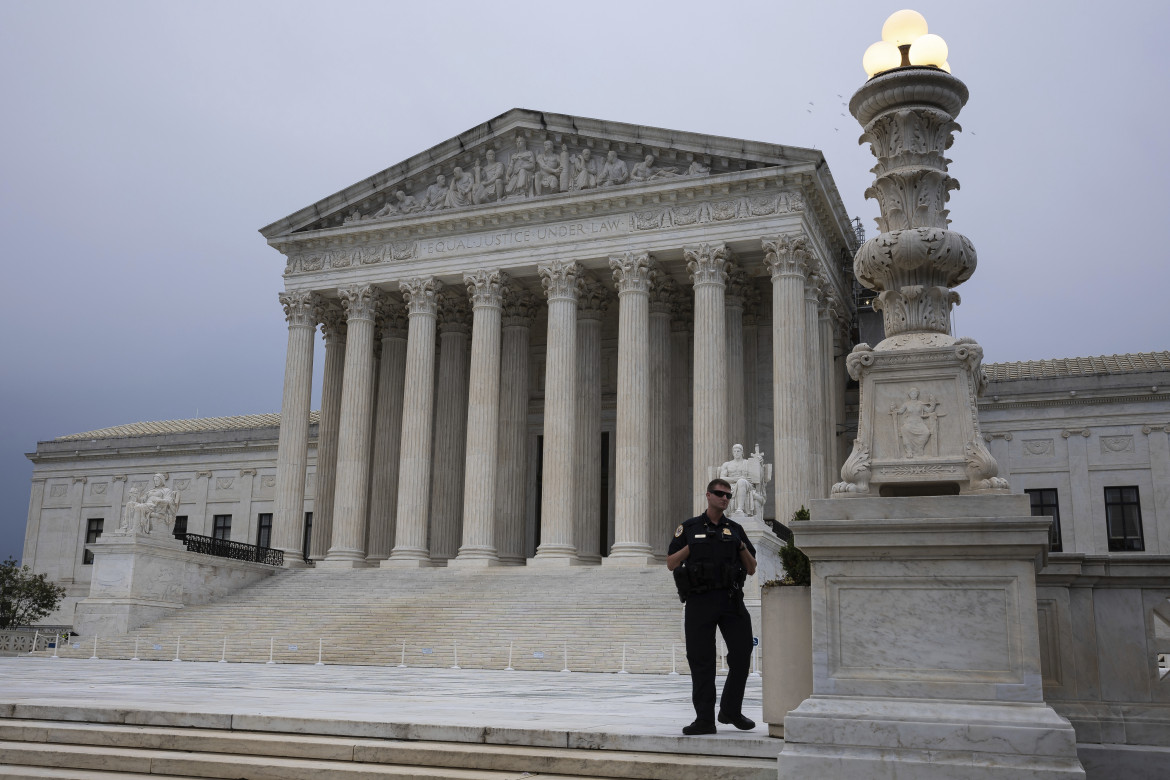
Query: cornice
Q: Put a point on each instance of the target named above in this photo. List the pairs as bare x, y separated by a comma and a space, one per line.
986, 403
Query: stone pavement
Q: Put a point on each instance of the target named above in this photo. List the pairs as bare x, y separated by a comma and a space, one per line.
546, 709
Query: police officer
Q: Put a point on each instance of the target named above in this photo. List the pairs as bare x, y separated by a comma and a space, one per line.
711, 556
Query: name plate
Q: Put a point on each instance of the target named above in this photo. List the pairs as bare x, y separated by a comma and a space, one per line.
525, 236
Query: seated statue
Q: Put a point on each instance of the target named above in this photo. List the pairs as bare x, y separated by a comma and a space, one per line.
748, 478
144, 510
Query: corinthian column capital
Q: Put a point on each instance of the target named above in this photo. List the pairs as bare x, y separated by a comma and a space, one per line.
593, 298
786, 255
632, 271
520, 306
421, 294
663, 291
393, 318
486, 287
738, 284
707, 263
360, 301
298, 308
332, 319
454, 312
560, 279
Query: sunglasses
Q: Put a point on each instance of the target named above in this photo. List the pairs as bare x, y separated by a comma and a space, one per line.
721, 493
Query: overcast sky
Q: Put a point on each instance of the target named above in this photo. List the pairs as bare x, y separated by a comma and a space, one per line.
143, 144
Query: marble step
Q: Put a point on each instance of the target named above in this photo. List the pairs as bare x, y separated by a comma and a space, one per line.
191, 752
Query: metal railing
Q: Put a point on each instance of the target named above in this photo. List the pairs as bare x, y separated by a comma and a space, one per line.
239, 551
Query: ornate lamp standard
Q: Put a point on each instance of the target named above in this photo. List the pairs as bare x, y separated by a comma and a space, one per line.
925, 641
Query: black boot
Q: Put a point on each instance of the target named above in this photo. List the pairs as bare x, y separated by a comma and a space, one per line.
700, 727
739, 721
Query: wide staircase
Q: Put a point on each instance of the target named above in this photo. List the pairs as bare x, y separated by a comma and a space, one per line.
599, 619
97, 751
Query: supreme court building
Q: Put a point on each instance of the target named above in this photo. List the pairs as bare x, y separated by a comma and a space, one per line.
542, 334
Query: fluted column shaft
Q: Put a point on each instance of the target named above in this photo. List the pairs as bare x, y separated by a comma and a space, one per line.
828, 405
785, 257
682, 477
387, 435
751, 383
736, 403
292, 447
813, 387
483, 419
450, 426
414, 460
632, 272
560, 281
333, 327
350, 501
662, 520
587, 440
512, 477
707, 265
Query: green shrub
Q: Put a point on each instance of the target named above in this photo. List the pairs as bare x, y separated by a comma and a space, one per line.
796, 566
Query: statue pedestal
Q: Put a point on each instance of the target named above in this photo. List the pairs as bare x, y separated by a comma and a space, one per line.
768, 564
137, 579
926, 650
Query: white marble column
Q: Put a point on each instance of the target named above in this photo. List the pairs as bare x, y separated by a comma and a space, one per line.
707, 265
751, 368
663, 291
592, 304
520, 308
828, 303
414, 460
485, 287
682, 478
350, 507
785, 257
387, 433
737, 284
632, 272
450, 425
332, 319
292, 446
813, 385
557, 547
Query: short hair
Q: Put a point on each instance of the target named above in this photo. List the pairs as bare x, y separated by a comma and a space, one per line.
718, 481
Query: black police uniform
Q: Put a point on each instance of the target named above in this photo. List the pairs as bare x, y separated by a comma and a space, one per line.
715, 598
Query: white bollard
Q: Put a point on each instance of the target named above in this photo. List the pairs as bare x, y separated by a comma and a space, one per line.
223, 653
178, 640
135, 658
36, 636
623, 671
567, 669
271, 646
402, 663
509, 668
456, 666
56, 645
755, 668
94, 656
320, 643
673, 671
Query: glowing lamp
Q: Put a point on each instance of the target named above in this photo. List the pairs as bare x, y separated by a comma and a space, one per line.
904, 27
880, 57
945, 66
930, 49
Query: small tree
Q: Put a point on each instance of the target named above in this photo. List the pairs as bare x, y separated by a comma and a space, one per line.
796, 566
25, 597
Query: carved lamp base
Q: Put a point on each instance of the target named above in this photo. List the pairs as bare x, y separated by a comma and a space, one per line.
918, 425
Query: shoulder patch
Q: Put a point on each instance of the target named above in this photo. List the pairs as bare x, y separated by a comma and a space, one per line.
678, 531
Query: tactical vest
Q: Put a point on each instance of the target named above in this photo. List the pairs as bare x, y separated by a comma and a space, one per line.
713, 562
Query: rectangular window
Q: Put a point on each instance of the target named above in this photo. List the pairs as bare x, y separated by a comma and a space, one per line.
93, 530
223, 527
264, 530
1123, 519
180, 528
1044, 504
306, 543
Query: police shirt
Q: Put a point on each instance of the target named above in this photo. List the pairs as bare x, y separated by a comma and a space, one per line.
710, 541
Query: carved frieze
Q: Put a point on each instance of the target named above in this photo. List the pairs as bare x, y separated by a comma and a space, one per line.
224, 483
182, 484
58, 491
1111, 445
1038, 447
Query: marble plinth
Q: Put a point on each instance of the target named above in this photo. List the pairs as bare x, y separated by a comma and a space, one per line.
926, 654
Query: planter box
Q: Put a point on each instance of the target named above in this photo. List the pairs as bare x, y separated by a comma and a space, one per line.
786, 617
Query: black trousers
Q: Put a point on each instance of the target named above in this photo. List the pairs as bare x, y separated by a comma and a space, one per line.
704, 612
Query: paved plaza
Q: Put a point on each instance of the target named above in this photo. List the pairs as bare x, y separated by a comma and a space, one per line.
547, 709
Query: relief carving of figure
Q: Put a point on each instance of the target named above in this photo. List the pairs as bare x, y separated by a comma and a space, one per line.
584, 171
389, 210
353, 216
436, 195
698, 169
408, 204
613, 171
489, 180
748, 478
549, 170
154, 508
460, 192
645, 171
521, 167
916, 424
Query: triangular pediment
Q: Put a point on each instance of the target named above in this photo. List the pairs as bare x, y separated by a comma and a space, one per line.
536, 156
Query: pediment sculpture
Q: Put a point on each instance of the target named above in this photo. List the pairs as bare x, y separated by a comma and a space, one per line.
749, 478
150, 511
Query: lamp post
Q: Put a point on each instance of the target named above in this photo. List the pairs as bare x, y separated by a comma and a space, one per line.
918, 427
